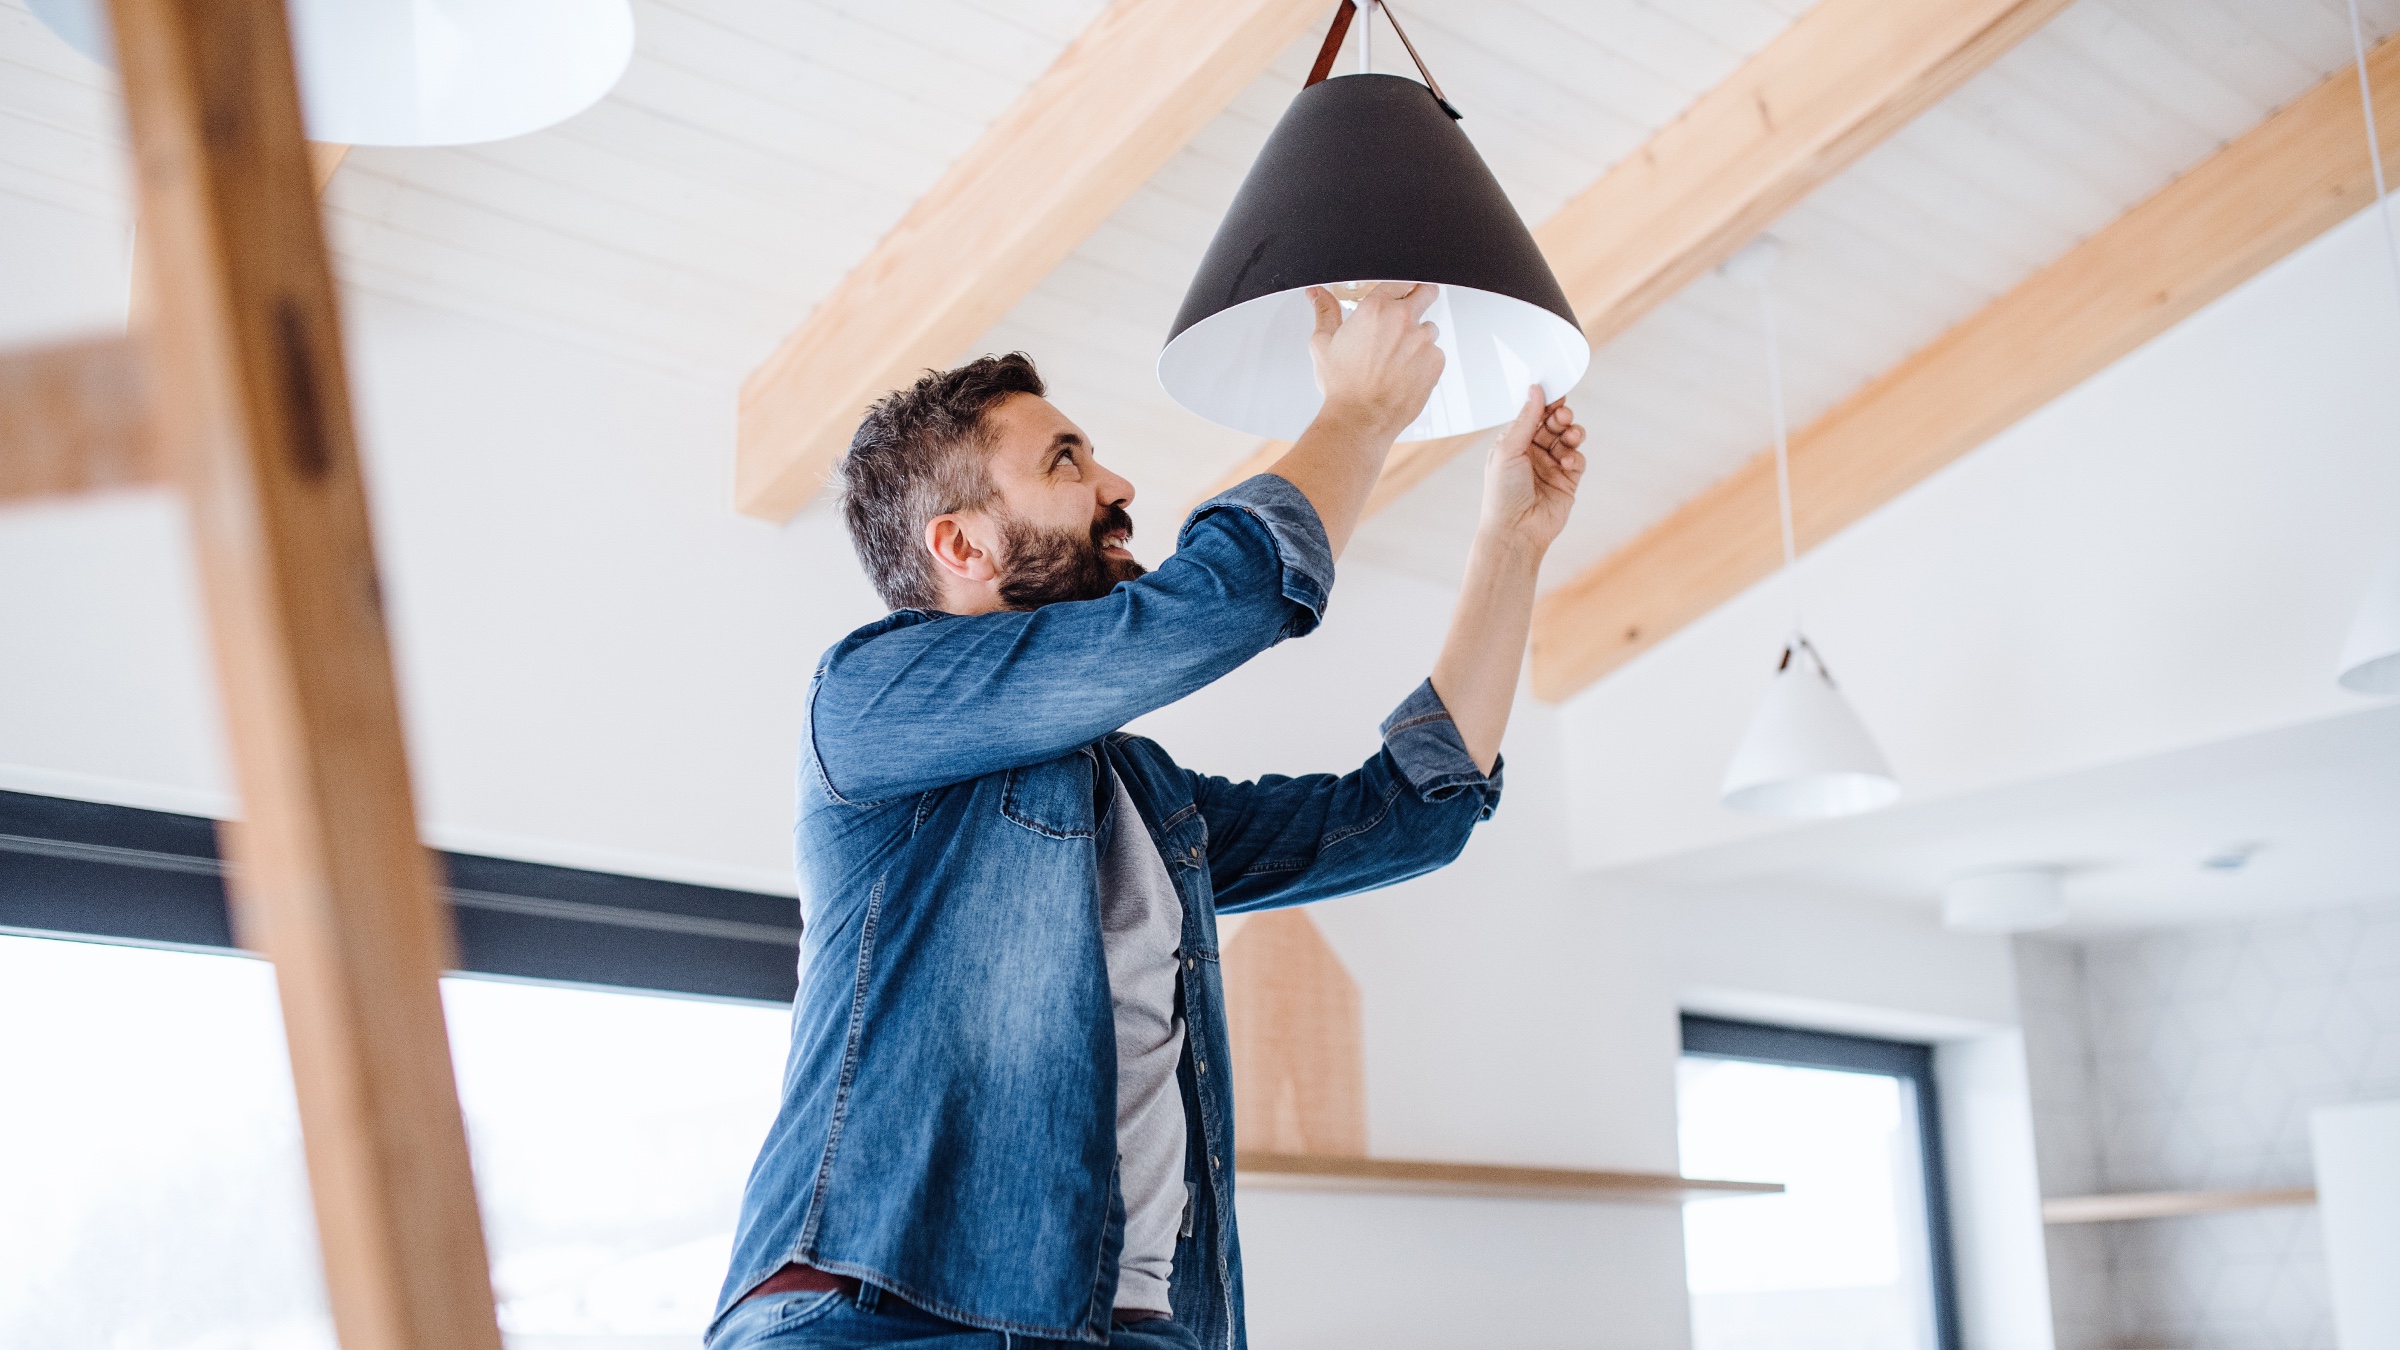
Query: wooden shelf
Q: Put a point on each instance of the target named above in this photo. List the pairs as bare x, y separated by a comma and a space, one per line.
1303, 1172
2167, 1204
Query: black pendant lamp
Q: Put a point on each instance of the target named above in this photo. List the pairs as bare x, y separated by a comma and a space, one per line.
1368, 178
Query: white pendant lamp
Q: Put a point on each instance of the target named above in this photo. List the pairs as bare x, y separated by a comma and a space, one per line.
1806, 755
1368, 178
2371, 658
426, 72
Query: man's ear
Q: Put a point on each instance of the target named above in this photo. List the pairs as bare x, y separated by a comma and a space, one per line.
956, 549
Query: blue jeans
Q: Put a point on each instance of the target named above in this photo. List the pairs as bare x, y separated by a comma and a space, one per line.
835, 1321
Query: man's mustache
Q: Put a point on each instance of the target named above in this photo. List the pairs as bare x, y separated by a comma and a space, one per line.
1113, 520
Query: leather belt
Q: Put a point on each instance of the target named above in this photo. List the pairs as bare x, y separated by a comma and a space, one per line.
799, 1279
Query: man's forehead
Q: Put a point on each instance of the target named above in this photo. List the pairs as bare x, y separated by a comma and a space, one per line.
1028, 424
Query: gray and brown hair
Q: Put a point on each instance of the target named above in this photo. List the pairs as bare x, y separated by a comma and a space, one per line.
922, 452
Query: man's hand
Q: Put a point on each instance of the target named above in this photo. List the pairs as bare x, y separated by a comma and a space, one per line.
1378, 365
1530, 477
1529, 486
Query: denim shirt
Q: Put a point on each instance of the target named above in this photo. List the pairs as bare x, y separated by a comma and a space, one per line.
948, 1128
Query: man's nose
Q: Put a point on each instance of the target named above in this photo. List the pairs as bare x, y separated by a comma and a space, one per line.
1114, 490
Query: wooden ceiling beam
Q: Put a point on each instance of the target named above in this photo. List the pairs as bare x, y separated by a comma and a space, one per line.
2280, 185
1108, 114
1839, 81
75, 418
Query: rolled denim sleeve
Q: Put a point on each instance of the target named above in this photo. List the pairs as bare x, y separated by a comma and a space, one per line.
1406, 811
1426, 745
1301, 546
921, 700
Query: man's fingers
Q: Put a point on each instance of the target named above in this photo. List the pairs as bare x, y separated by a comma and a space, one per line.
1525, 424
1558, 425
1421, 298
1329, 310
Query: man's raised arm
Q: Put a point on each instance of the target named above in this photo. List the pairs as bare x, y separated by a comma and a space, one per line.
1528, 488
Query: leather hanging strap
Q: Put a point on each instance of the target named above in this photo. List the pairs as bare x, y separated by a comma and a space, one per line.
1341, 28
1333, 43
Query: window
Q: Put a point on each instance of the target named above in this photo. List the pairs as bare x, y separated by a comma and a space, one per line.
169, 1208
1855, 1254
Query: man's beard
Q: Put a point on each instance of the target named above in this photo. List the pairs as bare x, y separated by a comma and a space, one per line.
1045, 567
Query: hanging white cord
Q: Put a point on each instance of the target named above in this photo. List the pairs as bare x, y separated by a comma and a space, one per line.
1783, 463
2366, 100
1366, 38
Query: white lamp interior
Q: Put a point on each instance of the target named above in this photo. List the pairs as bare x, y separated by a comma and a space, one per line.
427, 72
1248, 367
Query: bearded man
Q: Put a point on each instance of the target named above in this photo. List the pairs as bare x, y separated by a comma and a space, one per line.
1007, 1117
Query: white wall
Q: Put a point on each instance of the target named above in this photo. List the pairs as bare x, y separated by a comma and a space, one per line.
601, 666
1507, 1020
1877, 969
2166, 556
600, 663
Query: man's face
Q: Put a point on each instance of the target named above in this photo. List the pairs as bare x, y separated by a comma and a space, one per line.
1061, 522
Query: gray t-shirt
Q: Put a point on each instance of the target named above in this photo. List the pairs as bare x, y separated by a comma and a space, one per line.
1141, 926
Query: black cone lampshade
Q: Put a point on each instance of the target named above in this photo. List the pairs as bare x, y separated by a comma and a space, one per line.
1369, 178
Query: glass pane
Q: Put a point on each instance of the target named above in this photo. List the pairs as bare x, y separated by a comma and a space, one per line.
611, 1133
1837, 1262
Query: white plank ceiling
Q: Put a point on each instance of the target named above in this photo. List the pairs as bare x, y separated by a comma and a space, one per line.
758, 148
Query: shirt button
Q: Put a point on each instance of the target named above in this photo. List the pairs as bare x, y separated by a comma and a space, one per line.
1204, 1066
1188, 963
1212, 1160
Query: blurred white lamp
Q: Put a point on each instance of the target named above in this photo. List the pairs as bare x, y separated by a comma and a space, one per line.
1806, 756
2371, 658
426, 72
2017, 900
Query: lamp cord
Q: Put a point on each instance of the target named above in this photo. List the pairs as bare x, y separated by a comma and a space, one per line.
1783, 462
2366, 102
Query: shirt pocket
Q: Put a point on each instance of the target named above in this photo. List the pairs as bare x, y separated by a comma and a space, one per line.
1052, 799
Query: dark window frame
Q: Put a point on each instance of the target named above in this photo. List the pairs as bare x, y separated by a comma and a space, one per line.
93, 871
1760, 1043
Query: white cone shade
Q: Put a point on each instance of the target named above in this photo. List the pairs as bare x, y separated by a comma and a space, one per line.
426, 72
2371, 658
1806, 756
2020, 900
1248, 367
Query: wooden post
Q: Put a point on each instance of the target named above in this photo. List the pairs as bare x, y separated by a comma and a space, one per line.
245, 356
1299, 1050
